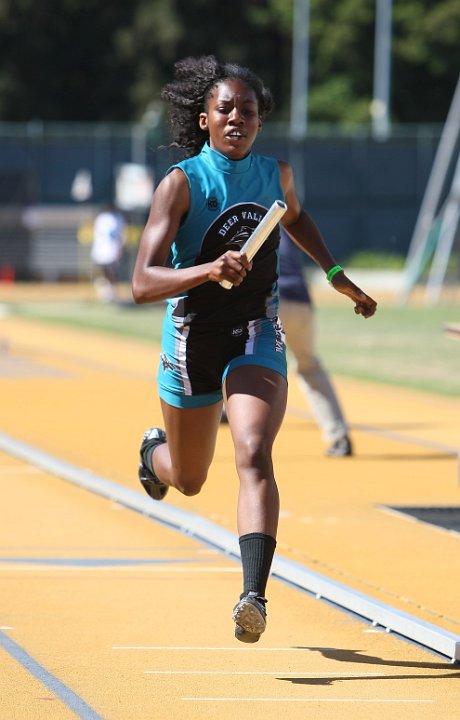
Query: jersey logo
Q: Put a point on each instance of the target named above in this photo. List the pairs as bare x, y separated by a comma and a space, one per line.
230, 230
240, 237
166, 363
212, 203
280, 337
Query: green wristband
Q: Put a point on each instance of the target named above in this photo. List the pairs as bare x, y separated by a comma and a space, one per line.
333, 271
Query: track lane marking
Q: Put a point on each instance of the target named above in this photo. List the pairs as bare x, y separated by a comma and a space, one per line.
305, 700
67, 696
299, 673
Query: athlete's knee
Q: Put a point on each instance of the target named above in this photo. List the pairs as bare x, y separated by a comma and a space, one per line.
253, 452
189, 482
189, 490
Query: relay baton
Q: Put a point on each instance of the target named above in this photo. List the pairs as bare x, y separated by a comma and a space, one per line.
260, 234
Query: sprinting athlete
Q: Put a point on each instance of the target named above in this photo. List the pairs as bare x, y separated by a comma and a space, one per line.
219, 342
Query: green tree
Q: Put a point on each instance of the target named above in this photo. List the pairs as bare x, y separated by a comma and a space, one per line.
426, 44
149, 46
60, 60
425, 59
341, 49
242, 31
81, 60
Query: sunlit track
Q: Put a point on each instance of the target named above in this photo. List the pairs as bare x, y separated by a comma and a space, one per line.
32, 359
131, 611
427, 634
81, 360
257, 672
399, 437
305, 700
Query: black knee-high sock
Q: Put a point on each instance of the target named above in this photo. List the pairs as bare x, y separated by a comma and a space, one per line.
257, 550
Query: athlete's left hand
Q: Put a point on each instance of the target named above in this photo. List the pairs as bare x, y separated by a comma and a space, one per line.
364, 304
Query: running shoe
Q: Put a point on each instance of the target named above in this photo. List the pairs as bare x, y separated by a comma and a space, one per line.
249, 615
340, 448
151, 484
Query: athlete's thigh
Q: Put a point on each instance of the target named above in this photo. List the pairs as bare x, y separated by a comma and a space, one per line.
256, 400
191, 434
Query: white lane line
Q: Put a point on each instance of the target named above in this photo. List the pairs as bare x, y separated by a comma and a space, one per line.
25, 470
66, 695
199, 648
307, 700
182, 569
299, 673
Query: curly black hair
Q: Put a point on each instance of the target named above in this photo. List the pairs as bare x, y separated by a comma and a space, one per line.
194, 80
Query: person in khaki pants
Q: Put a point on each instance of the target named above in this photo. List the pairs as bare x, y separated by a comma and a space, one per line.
297, 316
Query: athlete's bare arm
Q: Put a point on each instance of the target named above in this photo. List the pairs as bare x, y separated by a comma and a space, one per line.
303, 231
152, 281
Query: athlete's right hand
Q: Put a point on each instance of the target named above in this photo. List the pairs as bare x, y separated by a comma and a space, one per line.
231, 266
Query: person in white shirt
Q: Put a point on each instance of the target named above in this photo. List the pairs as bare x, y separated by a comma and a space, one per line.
107, 249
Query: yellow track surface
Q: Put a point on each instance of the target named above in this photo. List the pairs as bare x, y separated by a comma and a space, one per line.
133, 620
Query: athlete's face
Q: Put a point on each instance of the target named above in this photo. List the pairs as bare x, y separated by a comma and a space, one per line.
232, 118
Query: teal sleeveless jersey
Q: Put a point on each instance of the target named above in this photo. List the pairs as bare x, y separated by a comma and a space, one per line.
228, 198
